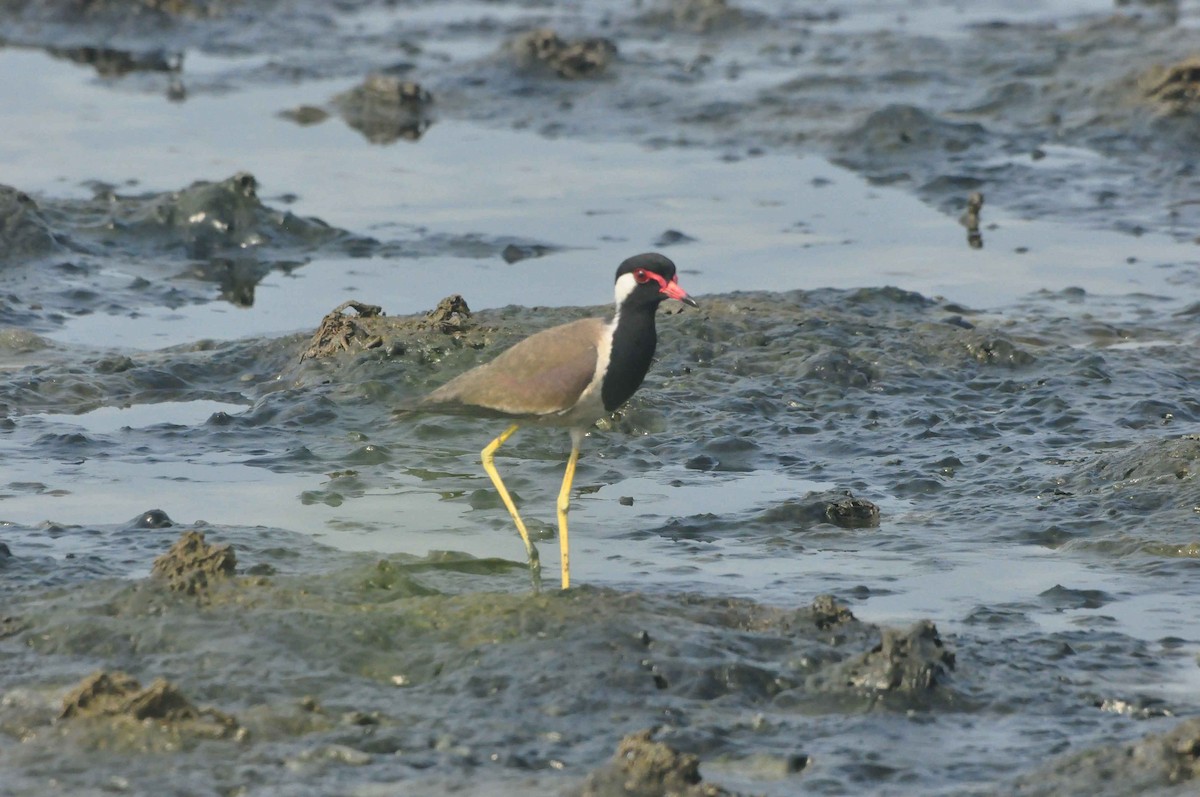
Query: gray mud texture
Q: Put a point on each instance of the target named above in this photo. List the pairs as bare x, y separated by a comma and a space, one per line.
423, 337
191, 563
544, 49
442, 672
176, 247
176, 244
378, 663
385, 108
643, 767
950, 99
1160, 764
844, 540
113, 711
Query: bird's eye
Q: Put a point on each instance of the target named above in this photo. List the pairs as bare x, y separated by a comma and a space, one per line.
641, 276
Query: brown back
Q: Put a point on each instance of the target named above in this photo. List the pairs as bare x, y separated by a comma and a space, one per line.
543, 374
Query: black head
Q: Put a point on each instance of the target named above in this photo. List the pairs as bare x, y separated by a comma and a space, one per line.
647, 279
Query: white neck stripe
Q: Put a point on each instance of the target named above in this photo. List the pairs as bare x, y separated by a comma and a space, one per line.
626, 285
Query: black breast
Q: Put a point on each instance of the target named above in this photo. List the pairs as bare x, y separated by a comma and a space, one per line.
633, 345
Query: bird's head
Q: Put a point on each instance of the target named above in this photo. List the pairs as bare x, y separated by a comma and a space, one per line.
648, 279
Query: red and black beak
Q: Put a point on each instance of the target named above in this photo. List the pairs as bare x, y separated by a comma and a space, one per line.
673, 291
671, 288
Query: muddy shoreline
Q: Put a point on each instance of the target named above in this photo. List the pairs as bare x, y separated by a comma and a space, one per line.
310, 660
927, 525
953, 100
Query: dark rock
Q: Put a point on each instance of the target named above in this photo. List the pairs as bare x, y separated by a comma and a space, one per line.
24, 232
827, 612
11, 625
152, 519
115, 364
582, 58
361, 718
207, 216
450, 321
513, 253
191, 562
109, 62
385, 108
1171, 462
849, 512
119, 696
993, 348
705, 15
1161, 763
671, 237
644, 767
451, 315
207, 220
305, 115
838, 368
339, 332
1175, 89
840, 508
915, 660
1061, 598
209, 231
898, 133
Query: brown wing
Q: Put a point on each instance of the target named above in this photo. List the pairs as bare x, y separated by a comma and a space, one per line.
543, 374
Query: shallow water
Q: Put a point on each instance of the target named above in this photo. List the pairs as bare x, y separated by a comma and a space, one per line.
1024, 434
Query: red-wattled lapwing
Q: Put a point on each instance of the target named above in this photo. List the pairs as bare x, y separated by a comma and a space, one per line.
570, 375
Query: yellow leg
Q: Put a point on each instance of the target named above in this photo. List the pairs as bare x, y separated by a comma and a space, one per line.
564, 503
535, 564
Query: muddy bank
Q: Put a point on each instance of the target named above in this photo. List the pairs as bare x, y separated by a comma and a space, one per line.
1050, 112
879, 392
208, 241
644, 766
381, 663
1160, 763
1009, 492
443, 673
112, 710
384, 109
959, 435
176, 246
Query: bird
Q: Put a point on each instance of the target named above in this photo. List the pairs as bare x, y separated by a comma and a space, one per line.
571, 376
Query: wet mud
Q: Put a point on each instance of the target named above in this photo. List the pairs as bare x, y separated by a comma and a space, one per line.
1158, 764
407, 646
441, 671
543, 49
175, 246
113, 711
1014, 488
422, 337
369, 665
1174, 88
645, 767
209, 241
993, 102
191, 562
384, 109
